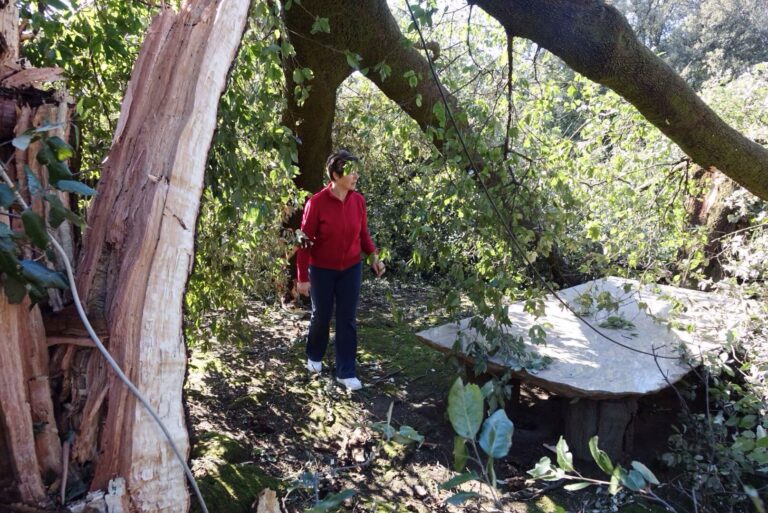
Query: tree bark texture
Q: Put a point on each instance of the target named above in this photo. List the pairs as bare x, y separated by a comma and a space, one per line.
710, 209
18, 455
364, 27
611, 420
139, 247
30, 448
595, 39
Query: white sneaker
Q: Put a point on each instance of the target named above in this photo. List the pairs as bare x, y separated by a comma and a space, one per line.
314, 367
351, 384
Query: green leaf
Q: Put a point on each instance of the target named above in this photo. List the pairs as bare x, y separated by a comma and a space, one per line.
574, 487
56, 4
332, 501
9, 261
460, 453
594, 230
545, 471
5, 230
43, 277
646, 472
298, 76
75, 187
633, 480
33, 184
439, 111
353, 59
754, 495
384, 428
7, 197
564, 456
600, 456
15, 289
45, 156
487, 389
465, 409
384, 70
61, 150
496, 437
407, 435
321, 25
461, 497
615, 485
458, 480
59, 213
34, 226
22, 142
58, 171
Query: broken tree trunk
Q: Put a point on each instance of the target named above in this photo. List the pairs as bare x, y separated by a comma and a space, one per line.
139, 247
18, 454
29, 440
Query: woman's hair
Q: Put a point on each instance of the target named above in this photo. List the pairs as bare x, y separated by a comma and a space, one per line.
335, 162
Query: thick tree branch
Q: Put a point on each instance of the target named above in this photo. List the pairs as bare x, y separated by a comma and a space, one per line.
595, 39
367, 28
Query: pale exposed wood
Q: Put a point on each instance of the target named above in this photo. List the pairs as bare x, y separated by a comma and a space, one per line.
9, 33
88, 393
32, 77
23, 121
15, 415
36, 366
267, 502
141, 236
8, 69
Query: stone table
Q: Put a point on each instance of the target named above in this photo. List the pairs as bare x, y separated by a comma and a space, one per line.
607, 378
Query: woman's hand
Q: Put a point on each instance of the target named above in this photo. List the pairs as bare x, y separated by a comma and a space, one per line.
303, 288
379, 268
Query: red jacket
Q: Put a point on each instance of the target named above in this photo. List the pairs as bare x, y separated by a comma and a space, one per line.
339, 230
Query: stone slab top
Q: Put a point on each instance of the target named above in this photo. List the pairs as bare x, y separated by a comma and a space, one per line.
656, 319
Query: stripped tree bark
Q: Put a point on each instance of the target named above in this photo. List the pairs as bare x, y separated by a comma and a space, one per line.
29, 438
139, 249
133, 270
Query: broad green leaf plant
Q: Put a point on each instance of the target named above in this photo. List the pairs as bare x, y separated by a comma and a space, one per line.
492, 435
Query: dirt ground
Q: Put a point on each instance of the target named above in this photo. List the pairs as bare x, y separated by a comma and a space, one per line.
259, 420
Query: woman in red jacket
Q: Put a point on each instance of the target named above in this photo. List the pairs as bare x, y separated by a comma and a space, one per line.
336, 224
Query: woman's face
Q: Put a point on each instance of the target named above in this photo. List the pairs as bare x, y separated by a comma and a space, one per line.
348, 182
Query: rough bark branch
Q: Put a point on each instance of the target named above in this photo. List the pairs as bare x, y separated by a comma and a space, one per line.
595, 39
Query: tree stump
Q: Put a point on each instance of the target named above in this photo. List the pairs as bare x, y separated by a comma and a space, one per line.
611, 420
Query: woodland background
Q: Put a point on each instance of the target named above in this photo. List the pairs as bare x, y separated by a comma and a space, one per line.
586, 184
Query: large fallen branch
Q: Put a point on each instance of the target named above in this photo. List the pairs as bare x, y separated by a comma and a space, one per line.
594, 39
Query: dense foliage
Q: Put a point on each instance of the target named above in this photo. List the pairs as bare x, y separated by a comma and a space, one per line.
584, 186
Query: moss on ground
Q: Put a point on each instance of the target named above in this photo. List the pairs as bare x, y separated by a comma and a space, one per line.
398, 346
231, 482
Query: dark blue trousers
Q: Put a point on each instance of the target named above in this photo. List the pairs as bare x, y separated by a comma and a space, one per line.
343, 287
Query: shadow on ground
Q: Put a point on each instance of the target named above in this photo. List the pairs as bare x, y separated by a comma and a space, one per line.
258, 420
